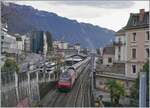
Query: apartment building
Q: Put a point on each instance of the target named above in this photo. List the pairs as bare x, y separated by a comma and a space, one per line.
120, 45
8, 42
137, 42
37, 41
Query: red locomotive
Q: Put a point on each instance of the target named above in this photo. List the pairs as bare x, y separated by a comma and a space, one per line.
68, 78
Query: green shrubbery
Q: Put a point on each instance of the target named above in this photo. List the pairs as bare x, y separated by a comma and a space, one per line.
10, 65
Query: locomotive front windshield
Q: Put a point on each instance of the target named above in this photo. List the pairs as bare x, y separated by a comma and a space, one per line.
65, 76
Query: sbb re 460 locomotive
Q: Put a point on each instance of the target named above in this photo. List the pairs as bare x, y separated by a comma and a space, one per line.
68, 78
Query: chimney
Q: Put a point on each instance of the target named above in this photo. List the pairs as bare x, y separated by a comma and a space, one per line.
141, 15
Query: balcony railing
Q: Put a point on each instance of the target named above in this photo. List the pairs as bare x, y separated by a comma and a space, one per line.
118, 43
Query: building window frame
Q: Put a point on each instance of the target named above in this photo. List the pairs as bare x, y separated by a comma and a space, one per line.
119, 57
147, 53
2, 37
109, 59
134, 22
119, 39
119, 49
133, 55
133, 68
147, 36
134, 37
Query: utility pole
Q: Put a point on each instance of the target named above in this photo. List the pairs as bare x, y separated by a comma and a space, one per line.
142, 91
92, 71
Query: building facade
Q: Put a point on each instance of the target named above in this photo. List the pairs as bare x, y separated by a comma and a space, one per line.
8, 42
27, 44
120, 47
77, 47
108, 55
37, 42
133, 41
60, 45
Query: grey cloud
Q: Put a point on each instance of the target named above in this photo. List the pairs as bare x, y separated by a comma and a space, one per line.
100, 4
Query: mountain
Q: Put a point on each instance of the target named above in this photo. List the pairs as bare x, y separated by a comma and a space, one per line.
22, 19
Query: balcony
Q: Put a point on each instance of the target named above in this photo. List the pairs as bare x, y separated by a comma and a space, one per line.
118, 43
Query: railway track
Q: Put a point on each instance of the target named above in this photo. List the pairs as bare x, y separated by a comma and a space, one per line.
78, 96
81, 90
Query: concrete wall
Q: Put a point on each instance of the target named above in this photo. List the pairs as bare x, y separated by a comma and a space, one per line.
101, 83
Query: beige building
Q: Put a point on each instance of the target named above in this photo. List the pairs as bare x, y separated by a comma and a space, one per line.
137, 42
108, 55
60, 45
77, 47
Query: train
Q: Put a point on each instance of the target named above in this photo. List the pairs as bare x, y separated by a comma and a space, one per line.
68, 78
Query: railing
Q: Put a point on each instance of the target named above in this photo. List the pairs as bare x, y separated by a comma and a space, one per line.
117, 43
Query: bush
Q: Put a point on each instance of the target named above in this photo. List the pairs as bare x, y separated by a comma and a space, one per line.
10, 65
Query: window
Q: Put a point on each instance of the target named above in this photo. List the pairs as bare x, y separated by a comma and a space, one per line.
109, 60
119, 39
119, 57
134, 21
134, 36
133, 68
119, 49
134, 53
2, 37
147, 34
147, 52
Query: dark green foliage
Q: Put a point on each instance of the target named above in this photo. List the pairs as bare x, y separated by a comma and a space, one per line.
10, 65
116, 90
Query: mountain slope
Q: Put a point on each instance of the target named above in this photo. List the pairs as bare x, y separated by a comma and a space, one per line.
23, 19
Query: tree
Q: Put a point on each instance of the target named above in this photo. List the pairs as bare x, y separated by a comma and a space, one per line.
10, 66
116, 90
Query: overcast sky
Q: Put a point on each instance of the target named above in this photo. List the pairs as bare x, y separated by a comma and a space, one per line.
109, 14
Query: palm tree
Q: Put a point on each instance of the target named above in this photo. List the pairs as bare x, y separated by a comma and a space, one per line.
116, 90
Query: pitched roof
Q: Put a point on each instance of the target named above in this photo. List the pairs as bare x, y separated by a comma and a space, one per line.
109, 50
135, 22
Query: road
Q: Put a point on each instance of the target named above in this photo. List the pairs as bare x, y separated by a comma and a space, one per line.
79, 96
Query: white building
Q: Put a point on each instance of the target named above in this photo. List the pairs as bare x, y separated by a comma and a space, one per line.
45, 45
77, 47
120, 47
20, 43
27, 48
60, 44
8, 42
